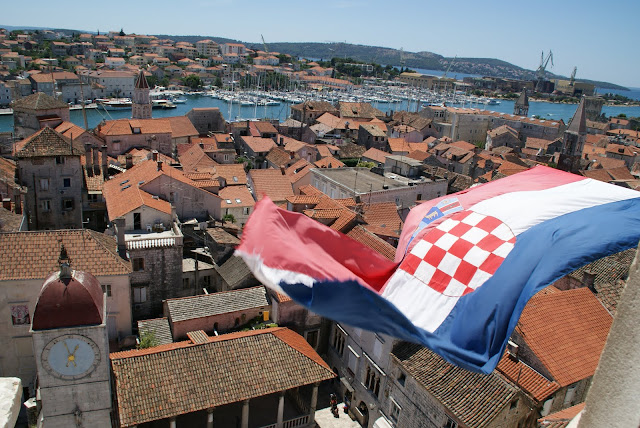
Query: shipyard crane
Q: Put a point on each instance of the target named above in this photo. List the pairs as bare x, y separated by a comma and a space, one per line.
444, 76
543, 64
542, 68
573, 76
266, 50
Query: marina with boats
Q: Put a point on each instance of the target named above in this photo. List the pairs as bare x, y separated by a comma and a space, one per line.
260, 104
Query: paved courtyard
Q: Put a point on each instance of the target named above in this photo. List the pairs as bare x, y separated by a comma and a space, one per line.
325, 419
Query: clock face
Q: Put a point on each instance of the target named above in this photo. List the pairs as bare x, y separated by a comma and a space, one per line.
71, 356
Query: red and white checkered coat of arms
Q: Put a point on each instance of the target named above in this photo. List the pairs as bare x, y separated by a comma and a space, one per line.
460, 254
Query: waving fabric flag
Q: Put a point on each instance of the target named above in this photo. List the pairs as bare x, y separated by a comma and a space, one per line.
466, 264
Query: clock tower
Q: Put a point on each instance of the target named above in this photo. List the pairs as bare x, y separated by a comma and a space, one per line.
72, 350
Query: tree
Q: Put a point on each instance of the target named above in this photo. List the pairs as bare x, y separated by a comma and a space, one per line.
122, 32
218, 82
147, 340
229, 218
193, 81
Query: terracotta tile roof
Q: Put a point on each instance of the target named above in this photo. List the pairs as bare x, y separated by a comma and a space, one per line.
9, 221
181, 127
121, 199
531, 382
194, 159
567, 331
278, 157
221, 237
160, 329
38, 101
298, 170
611, 273
233, 174
597, 174
351, 150
562, 418
70, 130
378, 155
206, 305
360, 234
47, 142
607, 163
418, 155
126, 126
303, 200
344, 221
622, 150
620, 173
157, 383
328, 162
503, 129
265, 127
383, 215
463, 145
399, 145
271, 183
34, 255
293, 145
324, 150
358, 110
313, 106
259, 144
309, 190
475, 399
235, 194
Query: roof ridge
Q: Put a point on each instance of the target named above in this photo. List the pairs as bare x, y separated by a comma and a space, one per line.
119, 259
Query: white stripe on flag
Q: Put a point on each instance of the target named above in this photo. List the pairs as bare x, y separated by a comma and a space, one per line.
523, 210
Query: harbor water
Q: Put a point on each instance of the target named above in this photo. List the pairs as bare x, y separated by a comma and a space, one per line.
233, 112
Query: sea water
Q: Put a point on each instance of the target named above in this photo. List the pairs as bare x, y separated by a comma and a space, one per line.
550, 111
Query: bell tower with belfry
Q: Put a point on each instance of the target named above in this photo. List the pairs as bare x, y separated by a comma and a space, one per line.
141, 108
521, 107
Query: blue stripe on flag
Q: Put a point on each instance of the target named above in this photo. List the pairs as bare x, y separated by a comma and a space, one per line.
475, 333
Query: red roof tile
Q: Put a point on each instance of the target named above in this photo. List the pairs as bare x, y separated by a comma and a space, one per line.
567, 331
271, 183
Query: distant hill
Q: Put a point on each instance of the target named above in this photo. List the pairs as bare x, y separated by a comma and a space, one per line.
380, 55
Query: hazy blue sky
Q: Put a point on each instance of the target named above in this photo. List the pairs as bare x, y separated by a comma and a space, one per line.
600, 37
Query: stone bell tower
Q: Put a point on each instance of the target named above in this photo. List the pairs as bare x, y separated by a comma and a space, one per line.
141, 108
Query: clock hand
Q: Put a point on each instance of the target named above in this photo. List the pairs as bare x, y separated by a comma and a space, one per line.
64, 342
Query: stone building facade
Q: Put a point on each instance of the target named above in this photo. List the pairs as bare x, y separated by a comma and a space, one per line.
49, 165
31, 113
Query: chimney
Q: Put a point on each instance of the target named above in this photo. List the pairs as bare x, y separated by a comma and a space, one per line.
282, 169
589, 280
129, 161
17, 197
122, 246
154, 155
105, 168
6, 204
281, 140
159, 165
96, 158
87, 155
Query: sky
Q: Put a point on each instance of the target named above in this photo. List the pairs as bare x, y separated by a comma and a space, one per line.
600, 38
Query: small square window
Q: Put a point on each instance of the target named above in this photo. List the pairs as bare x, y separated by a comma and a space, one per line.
45, 205
44, 184
67, 204
106, 288
140, 294
59, 160
186, 283
66, 182
138, 264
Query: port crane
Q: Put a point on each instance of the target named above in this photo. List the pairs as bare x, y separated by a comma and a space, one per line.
542, 68
266, 49
573, 76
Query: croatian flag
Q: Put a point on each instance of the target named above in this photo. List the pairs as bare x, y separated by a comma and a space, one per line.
465, 266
